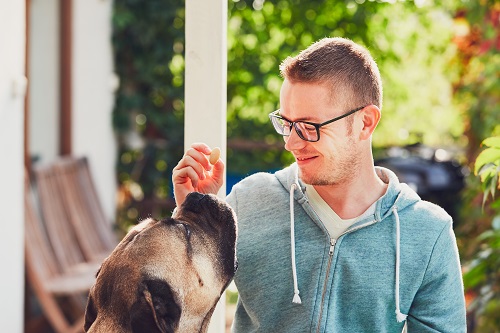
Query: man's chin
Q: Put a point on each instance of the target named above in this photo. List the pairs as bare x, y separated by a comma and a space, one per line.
307, 178
314, 180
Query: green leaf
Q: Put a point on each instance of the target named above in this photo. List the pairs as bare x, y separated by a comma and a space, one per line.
493, 142
493, 185
486, 172
489, 155
489, 179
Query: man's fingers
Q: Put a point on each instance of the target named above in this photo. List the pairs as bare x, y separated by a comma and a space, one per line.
200, 146
199, 157
184, 175
196, 166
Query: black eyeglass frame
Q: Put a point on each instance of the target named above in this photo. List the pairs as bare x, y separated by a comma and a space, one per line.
275, 114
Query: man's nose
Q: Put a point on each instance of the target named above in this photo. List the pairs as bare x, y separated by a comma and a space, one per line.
293, 141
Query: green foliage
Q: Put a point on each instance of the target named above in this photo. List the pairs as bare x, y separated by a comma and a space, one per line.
476, 94
148, 39
413, 49
487, 166
483, 281
478, 63
482, 278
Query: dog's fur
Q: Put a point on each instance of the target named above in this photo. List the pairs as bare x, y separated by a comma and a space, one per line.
167, 276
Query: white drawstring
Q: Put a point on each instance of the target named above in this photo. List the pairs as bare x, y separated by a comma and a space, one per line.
399, 316
296, 297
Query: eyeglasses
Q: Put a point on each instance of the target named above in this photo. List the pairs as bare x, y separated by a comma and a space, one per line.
306, 130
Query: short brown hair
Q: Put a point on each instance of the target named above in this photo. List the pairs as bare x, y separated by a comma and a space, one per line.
347, 67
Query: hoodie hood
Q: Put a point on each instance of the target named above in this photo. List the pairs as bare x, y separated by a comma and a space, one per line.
397, 197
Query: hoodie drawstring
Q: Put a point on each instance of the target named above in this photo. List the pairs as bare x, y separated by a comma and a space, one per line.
399, 316
296, 297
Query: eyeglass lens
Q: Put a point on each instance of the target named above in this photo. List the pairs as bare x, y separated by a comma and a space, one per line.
305, 131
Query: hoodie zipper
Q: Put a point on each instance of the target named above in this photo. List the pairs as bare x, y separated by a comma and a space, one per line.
333, 241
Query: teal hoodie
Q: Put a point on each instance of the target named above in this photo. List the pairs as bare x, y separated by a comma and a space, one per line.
399, 265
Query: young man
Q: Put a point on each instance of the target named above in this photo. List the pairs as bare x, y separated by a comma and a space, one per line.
332, 243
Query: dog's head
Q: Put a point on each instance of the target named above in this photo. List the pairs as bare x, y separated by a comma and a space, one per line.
167, 276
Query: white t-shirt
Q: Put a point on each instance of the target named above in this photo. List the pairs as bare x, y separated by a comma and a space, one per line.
332, 222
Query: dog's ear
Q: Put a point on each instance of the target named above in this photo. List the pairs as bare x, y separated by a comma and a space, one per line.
156, 310
90, 313
91, 310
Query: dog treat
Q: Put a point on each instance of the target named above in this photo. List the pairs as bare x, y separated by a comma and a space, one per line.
214, 155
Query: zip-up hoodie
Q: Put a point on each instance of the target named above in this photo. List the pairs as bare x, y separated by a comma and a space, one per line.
399, 265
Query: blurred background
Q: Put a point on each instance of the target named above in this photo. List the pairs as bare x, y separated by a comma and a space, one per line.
105, 80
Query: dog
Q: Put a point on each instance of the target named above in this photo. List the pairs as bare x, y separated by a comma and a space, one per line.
167, 276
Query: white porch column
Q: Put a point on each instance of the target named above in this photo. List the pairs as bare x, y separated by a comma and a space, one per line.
205, 89
12, 92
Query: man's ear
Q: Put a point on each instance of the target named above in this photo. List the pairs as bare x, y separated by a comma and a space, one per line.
156, 310
370, 117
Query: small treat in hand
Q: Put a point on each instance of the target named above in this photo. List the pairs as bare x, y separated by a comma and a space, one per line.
214, 155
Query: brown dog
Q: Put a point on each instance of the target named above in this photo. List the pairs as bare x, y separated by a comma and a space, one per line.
167, 276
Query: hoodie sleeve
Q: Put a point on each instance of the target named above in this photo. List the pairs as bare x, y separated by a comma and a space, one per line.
439, 305
231, 199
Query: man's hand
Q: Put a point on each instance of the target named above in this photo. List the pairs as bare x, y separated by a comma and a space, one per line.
195, 173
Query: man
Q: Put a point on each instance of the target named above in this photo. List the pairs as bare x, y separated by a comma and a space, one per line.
332, 243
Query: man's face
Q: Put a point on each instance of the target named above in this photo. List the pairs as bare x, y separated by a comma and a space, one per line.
334, 158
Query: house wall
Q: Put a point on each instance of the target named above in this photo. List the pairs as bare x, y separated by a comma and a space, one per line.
12, 91
93, 87
44, 79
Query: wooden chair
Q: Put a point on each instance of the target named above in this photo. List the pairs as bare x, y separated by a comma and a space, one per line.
48, 280
54, 213
92, 230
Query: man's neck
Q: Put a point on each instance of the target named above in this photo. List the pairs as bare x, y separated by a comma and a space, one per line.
351, 199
